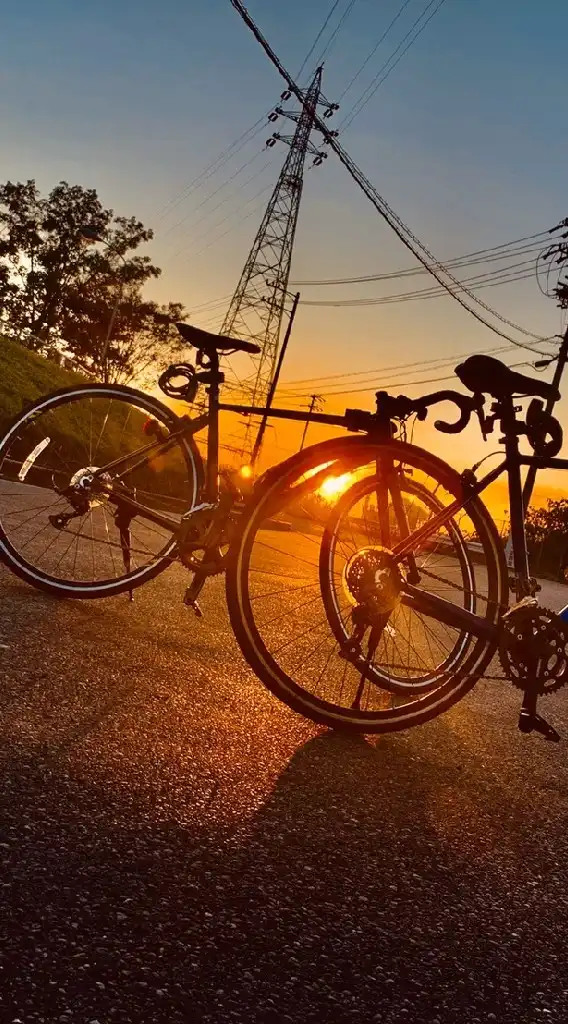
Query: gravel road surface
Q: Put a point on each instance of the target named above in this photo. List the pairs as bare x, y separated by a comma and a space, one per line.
177, 846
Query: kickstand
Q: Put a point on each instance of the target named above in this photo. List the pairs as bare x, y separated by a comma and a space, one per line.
123, 522
372, 645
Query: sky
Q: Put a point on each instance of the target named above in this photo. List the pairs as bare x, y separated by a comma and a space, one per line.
465, 139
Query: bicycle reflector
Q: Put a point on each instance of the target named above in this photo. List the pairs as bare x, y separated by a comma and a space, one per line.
154, 429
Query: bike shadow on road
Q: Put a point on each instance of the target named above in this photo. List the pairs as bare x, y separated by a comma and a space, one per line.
351, 894
372, 874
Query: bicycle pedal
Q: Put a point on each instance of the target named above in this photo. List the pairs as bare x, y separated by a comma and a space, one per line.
535, 723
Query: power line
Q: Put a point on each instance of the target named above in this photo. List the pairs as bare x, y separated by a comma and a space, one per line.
402, 231
406, 384
385, 71
386, 376
373, 51
494, 253
223, 221
514, 272
203, 306
333, 38
214, 166
204, 216
420, 363
211, 195
319, 35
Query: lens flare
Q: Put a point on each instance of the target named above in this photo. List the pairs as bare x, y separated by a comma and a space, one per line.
334, 486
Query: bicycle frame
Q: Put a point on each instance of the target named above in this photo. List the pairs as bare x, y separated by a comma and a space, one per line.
213, 378
445, 611
512, 464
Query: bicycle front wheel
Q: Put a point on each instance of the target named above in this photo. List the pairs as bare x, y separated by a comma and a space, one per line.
62, 537
291, 601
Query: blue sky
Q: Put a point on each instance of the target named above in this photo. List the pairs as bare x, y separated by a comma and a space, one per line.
466, 140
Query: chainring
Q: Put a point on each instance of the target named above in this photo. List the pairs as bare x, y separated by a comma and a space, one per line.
533, 649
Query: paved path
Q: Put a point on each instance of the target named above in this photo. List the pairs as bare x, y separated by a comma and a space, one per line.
177, 846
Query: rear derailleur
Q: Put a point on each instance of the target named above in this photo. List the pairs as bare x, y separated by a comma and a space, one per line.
373, 582
533, 650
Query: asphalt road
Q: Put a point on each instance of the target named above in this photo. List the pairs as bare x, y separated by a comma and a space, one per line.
177, 846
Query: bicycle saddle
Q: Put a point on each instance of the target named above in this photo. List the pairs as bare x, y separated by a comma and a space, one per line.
205, 341
486, 375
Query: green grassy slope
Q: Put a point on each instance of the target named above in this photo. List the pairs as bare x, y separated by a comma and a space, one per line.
112, 429
24, 376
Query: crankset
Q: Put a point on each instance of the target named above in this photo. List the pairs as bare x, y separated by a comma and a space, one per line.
533, 650
208, 528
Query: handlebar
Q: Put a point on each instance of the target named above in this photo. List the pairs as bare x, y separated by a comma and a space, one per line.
401, 407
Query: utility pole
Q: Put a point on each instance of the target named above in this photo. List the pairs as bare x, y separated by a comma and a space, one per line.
274, 382
315, 404
560, 364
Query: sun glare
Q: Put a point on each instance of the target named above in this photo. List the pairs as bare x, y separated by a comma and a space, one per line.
333, 486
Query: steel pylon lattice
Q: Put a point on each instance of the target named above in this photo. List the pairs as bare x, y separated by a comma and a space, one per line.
257, 307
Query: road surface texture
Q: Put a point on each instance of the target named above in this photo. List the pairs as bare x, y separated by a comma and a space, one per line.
177, 846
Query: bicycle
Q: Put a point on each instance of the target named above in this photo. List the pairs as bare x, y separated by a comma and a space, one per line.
397, 546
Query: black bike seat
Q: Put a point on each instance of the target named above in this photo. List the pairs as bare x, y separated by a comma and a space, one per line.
486, 375
204, 340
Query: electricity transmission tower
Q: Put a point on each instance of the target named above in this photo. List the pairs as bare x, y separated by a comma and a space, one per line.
257, 306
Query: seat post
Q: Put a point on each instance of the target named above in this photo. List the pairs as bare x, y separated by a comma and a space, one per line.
214, 379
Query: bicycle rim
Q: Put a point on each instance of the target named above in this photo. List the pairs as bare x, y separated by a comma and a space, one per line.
61, 438
279, 615
417, 654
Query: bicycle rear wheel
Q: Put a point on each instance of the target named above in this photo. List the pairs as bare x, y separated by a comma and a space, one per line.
91, 546
291, 613
415, 652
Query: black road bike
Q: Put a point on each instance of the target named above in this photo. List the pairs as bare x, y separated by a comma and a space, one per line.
365, 579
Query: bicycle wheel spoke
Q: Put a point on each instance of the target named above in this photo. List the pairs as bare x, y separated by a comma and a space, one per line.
287, 590
300, 636
296, 558
93, 455
333, 651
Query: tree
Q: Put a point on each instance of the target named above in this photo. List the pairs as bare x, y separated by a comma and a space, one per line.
58, 293
547, 537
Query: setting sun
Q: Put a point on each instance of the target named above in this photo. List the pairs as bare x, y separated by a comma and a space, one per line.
333, 486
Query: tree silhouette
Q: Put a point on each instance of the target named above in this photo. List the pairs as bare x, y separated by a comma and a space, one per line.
60, 294
547, 537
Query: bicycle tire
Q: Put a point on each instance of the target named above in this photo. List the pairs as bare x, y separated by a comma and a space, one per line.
65, 588
348, 453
